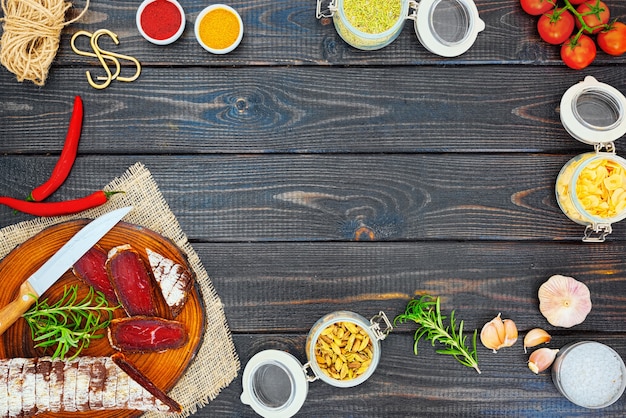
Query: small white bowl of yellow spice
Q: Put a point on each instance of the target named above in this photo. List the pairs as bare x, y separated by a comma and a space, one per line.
219, 29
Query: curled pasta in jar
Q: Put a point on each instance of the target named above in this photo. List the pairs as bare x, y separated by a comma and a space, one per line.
591, 188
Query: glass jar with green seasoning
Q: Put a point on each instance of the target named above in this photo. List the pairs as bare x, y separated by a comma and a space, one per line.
444, 27
591, 187
342, 349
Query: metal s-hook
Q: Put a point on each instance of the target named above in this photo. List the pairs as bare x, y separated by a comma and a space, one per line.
98, 52
115, 62
115, 55
103, 56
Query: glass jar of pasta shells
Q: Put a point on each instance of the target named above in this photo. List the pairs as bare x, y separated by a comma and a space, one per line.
591, 187
342, 349
444, 27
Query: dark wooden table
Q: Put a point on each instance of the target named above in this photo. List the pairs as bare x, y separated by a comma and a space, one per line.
313, 177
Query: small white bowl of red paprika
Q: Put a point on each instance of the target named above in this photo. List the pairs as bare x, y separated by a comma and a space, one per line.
219, 29
161, 21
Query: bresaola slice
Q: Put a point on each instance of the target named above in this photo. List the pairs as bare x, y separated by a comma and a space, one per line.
174, 280
91, 269
146, 334
131, 281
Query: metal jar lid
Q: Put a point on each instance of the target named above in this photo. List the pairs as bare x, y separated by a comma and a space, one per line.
593, 112
447, 27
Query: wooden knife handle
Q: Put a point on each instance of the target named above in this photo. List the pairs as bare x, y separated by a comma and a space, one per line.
12, 312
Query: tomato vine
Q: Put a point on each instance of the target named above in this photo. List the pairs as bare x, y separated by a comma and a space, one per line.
591, 18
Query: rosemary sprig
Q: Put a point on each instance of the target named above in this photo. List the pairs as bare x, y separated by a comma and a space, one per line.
69, 324
426, 312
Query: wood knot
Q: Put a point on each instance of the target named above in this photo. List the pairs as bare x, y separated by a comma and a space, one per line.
364, 233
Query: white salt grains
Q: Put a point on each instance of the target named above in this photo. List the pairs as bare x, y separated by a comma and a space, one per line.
590, 374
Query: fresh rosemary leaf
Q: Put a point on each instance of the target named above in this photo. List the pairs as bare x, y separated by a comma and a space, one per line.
426, 312
69, 324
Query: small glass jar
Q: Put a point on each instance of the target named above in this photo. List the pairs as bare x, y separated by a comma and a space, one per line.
445, 27
589, 374
591, 187
275, 383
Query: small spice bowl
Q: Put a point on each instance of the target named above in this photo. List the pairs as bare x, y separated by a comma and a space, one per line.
219, 29
589, 374
160, 21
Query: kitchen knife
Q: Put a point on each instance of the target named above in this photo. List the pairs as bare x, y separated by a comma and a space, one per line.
58, 264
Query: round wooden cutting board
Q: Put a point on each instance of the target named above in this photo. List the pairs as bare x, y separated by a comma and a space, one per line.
163, 369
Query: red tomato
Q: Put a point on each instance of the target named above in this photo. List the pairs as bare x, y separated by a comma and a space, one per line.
537, 7
595, 14
577, 1
580, 54
613, 40
556, 27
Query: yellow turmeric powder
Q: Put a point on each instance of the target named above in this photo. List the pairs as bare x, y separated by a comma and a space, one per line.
219, 29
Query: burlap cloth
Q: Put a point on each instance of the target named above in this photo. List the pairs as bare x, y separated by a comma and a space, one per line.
216, 363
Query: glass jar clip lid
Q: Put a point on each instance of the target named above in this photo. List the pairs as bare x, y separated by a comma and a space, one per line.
444, 27
591, 187
275, 383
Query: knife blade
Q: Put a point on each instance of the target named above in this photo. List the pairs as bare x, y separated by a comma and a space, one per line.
58, 264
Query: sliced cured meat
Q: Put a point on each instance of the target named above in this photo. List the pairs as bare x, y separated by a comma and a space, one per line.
131, 281
91, 269
4, 394
25, 382
135, 374
175, 280
15, 386
146, 334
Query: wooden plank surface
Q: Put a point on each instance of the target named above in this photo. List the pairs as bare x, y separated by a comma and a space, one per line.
312, 177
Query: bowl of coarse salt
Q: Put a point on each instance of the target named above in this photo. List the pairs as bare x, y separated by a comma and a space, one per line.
589, 374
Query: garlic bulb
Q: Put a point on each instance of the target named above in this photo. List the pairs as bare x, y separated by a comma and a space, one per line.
498, 333
541, 359
535, 337
564, 301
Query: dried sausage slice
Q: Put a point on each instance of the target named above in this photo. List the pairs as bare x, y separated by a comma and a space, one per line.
175, 280
131, 281
146, 334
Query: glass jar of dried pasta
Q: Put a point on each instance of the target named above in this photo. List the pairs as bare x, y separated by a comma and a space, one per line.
591, 187
444, 27
343, 350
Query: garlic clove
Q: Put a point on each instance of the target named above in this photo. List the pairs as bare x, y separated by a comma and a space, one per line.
541, 359
498, 333
510, 333
564, 301
534, 337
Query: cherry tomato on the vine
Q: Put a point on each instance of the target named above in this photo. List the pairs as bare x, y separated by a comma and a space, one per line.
556, 27
537, 7
613, 40
595, 14
580, 54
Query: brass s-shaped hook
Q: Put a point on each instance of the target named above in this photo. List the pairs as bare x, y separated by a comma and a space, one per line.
99, 56
115, 55
103, 56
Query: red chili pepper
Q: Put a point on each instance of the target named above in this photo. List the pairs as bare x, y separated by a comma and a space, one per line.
67, 158
66, 207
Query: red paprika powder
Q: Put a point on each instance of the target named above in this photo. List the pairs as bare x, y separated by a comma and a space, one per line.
161, 19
